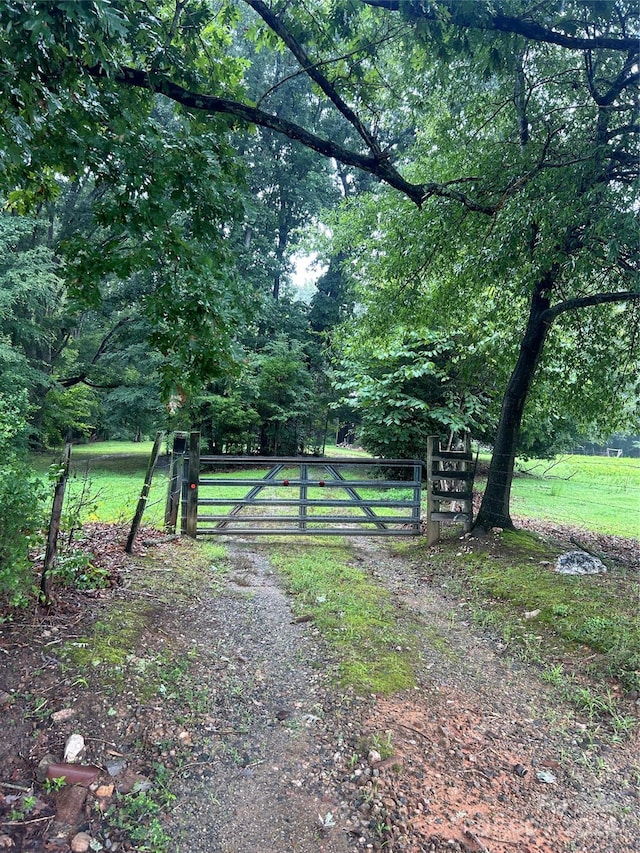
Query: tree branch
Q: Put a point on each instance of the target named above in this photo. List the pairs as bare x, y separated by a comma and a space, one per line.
508, 24
550, 314
313, 71
70, 381
380, 167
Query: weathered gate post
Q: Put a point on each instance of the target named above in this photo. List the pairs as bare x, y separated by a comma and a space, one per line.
192, 480
445, 466
175, 475
433, 527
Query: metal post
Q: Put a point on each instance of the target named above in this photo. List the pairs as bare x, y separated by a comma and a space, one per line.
417, 496
467, 506
175, 474
184, 491
304, 476
192, 484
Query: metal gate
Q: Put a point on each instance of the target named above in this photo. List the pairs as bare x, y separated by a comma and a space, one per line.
254, 495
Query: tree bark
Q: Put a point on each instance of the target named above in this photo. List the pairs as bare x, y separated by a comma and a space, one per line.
494, 509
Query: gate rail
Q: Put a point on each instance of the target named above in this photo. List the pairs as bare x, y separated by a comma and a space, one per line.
319, 489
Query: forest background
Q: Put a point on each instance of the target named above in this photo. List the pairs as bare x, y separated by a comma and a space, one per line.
466, 174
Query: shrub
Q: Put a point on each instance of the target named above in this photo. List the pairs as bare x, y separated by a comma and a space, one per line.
21, 497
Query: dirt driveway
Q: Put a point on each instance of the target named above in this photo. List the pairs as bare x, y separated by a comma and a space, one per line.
231, 703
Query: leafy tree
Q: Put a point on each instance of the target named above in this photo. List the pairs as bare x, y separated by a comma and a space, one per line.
284, 394
535, 110
288, 184
407, 387
66, 357
332, 303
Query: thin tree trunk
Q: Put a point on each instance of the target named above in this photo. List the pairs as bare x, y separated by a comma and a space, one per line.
494, 510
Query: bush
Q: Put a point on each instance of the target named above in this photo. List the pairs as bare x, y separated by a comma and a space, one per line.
21, 497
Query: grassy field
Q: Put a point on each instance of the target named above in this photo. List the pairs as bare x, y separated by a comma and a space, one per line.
106, 480
598, 493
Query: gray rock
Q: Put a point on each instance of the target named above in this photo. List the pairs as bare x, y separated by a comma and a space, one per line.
115, 767
579, 563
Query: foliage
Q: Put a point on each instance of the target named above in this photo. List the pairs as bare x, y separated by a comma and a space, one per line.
32, 307
68, 414
231, 421
508, 136
21, 497
406, 387
75, 570
139, 815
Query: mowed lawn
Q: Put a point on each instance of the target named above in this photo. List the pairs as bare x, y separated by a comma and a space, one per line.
595, 492
598, 493
106, 480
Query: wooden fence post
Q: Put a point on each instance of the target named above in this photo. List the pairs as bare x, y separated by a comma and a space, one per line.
175, 477
433, 527
54, 525
467, 505
144, 494
192, 484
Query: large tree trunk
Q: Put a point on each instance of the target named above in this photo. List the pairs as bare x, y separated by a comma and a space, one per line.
494, 510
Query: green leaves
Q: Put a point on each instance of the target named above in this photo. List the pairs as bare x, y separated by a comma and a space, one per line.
405, 388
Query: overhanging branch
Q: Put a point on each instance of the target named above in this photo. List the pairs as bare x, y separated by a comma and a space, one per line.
550, 314
379, 166
70, 381
518, 26
312, 69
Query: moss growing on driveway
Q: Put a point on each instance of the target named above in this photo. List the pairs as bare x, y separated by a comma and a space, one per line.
355, 614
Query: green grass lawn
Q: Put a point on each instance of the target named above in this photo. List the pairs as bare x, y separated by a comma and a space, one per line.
106, 479
598, 493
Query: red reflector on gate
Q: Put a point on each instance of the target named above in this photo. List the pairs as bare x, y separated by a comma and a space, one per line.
321, 483
285, 482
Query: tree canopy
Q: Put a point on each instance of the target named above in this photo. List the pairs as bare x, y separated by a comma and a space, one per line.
499, 142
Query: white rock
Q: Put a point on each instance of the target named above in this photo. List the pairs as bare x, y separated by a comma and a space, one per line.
73, 748
531, 614
546, 776
374, 757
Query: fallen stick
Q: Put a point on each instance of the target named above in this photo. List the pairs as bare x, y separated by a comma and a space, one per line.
476, 840
15, 787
